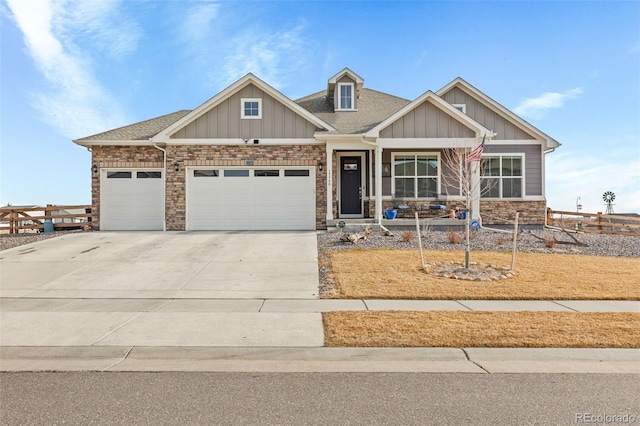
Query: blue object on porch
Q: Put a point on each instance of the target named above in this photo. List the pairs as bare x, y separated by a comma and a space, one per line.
462, 215
475, 225
403, 207
48, 225
437, 207
390, 214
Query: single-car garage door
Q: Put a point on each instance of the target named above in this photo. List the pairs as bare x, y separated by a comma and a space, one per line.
251, 199
131, 200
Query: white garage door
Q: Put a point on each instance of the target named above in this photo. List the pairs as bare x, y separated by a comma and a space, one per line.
131, 200
251, 199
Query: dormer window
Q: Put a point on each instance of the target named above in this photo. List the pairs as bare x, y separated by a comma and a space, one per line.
251, 108
345, 93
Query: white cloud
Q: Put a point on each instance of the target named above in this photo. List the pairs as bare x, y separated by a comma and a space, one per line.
102, 23
76, 104
634, 49
199, 20
228, 45
275, 57
537, 108
573, 174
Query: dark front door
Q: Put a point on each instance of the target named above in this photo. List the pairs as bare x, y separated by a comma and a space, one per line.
350, 186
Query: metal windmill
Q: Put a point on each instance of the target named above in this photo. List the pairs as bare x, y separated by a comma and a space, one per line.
608, 198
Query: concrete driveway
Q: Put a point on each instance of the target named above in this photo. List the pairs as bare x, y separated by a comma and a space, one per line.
162, 265
159, 289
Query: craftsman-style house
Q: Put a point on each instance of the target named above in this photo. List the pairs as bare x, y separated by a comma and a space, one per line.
250, 158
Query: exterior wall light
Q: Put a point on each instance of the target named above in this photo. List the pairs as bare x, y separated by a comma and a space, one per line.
320, 166
95, 169
176, 167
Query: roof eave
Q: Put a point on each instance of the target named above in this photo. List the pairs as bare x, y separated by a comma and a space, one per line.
250, 78
454, 112
549, 141
122, 142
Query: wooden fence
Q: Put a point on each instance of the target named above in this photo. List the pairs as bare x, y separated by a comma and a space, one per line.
594, 222
16, 219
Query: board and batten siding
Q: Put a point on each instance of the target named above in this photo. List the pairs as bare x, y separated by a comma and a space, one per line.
505, 129
224, 122
427, 121
532, 165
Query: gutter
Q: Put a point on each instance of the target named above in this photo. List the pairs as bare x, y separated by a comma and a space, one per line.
164, 189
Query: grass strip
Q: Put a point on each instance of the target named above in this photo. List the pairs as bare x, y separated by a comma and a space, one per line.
396, 274
482, 329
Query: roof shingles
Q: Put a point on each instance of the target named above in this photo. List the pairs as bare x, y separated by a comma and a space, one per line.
373, 108
143, 130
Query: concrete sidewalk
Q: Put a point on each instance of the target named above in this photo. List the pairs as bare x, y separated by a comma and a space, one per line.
224, 301
268, 335
260, 305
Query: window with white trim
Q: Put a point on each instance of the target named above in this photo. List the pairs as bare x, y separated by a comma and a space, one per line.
415, 175
251, 108
502, 176
345, 96
461, 107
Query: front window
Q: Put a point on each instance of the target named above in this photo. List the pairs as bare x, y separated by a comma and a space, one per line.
502, 177
251, 108
415, 176
345, 91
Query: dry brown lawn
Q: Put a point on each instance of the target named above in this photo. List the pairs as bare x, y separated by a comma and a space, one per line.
396, 274
482, 329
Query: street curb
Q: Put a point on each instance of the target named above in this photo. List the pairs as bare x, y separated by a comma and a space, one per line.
321, 359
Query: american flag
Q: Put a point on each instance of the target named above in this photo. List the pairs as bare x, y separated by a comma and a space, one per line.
476, 154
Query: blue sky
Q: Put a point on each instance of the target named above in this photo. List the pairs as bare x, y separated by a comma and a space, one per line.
72, 68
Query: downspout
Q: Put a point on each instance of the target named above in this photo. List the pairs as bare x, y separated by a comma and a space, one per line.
164, 188
544, 171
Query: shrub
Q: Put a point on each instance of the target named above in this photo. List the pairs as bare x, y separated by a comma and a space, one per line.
454, 238
501, 241
550, 241
407, 236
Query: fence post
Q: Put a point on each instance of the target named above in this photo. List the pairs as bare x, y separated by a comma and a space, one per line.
13, 225
599, 221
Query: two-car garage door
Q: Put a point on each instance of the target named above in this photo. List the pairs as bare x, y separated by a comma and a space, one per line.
278, 198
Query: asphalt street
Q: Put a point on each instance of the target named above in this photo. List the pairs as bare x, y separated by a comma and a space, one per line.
86, 398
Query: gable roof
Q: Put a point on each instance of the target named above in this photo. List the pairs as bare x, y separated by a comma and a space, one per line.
165, 134
345, 71
373, 108
141, 131
438, 102
459, 82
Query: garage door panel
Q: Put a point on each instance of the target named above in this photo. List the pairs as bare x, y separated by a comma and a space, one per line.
265, 199
131, 203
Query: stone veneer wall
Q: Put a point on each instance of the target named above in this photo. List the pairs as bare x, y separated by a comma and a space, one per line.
498, 212
119, 157
238, 155
493, 212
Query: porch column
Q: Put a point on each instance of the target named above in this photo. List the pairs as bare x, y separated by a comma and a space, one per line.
329, 163
475, 190
378, 184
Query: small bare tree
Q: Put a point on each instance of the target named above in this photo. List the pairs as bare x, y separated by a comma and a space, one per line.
464, 178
